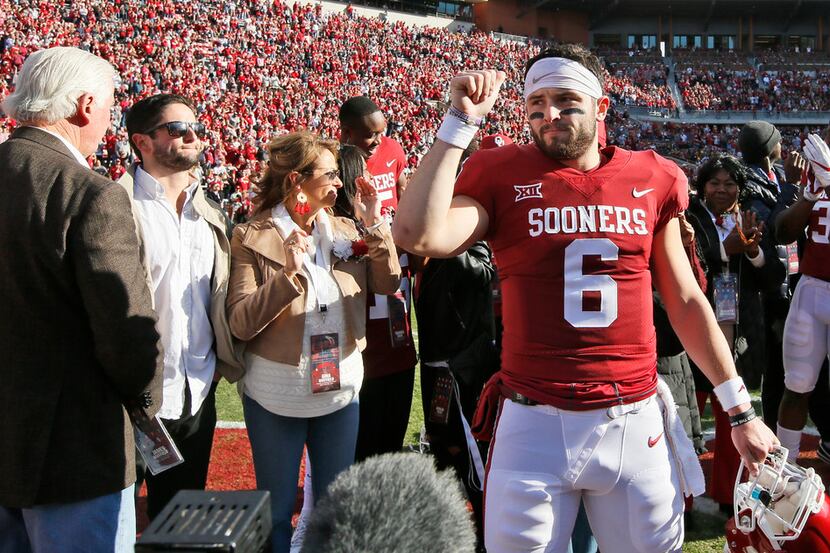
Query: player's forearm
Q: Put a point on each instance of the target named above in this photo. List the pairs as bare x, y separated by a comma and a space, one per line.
790, 223
421, 220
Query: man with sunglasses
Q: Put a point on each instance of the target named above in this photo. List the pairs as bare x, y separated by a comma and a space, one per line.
186, 254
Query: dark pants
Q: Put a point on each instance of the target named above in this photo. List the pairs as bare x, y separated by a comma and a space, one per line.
384, 413
448, 443
193, 435
277, 447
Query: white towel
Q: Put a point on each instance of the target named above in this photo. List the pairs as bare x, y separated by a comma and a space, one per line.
688, 465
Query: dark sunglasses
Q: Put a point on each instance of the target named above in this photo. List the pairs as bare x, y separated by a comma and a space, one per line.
331, 175
178, 129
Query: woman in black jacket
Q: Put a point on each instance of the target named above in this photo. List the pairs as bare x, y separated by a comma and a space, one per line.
740, 265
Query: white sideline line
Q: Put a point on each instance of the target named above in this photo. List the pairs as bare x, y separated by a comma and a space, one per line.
230, 424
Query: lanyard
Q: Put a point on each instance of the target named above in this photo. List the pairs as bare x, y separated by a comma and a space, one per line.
322, 297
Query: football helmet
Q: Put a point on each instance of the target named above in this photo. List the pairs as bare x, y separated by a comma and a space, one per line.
782, 508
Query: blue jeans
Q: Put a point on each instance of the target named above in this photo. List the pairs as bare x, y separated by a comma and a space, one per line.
103, 524
277, 446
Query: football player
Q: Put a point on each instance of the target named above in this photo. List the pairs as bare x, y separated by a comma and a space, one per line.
578, 233
807, 329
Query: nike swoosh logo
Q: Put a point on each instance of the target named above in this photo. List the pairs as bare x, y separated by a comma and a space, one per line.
741, 389
390, 162
640, 193
537, 79
653, 441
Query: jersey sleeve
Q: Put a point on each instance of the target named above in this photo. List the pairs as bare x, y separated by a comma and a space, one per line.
676, 199
473, 182
400, 161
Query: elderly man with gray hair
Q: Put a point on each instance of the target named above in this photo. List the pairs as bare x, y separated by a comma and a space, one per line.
77, 330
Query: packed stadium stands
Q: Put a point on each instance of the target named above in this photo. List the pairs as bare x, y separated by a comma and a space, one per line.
257, 67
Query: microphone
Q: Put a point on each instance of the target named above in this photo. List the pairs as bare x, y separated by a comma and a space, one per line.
392, 503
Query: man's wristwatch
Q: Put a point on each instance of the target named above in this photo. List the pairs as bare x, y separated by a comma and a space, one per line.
458, 114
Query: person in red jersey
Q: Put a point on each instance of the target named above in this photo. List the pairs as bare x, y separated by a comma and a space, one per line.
389, 359
363, 124
579, 233
807, 329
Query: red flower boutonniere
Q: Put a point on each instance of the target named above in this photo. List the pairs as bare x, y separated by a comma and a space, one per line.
349, 250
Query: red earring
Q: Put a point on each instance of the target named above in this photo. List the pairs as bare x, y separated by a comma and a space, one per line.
302, 206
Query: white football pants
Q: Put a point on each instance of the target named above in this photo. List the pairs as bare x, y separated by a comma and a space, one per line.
544, 460
806, 334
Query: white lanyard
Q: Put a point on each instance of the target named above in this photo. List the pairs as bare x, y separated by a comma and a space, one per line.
322, 296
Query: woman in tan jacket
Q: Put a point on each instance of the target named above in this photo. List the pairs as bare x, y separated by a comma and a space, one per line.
297, 299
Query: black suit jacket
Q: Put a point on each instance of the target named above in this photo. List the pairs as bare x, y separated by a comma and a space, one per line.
77, 331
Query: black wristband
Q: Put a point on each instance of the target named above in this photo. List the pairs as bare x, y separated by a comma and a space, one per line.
742, 418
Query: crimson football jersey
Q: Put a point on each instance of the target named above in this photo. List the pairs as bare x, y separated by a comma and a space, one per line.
386, 166
816, 259
574, 255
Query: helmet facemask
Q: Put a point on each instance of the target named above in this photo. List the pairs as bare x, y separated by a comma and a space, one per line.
778, 500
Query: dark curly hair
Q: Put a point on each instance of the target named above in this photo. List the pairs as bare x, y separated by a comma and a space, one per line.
725, 162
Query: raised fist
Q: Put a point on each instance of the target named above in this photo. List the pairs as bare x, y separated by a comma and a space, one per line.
475, 92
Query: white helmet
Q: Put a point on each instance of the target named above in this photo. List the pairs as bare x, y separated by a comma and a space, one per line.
773, 508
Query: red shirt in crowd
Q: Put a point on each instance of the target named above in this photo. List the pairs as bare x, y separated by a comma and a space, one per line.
386, 166
383, 357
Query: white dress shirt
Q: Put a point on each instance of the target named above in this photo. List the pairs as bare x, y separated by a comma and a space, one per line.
180, 255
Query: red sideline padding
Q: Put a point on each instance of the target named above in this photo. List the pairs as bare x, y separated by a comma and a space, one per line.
231, 468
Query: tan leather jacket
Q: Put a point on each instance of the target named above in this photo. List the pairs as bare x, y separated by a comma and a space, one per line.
266, 309
228, 355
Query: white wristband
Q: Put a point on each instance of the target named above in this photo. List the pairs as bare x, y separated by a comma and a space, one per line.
732, 393
456, 132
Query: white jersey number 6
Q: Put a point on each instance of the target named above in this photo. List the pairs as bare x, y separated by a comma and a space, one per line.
577, 283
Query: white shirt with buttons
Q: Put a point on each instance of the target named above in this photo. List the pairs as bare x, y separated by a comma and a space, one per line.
180, 255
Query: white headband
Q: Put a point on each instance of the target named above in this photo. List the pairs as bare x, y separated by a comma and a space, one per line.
561, 73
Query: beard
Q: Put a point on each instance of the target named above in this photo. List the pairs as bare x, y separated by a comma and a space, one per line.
182, 160
566, 147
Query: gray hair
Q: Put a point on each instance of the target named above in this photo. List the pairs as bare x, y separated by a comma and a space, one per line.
51, 81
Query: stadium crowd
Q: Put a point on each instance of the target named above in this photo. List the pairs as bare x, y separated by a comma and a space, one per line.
772, 81
286, 67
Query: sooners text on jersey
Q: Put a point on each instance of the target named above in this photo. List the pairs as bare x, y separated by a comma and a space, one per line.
574, 255
386, 166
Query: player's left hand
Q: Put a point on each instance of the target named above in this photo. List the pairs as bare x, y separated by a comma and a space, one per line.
818, 154
366, 202
754, 440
